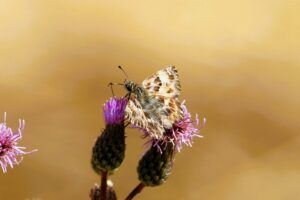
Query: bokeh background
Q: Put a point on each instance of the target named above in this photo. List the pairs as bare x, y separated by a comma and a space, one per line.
239, 67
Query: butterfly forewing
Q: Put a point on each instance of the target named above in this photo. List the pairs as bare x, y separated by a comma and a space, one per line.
165, 83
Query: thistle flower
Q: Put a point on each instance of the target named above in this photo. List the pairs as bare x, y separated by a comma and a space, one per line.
182, 132
156, 164
9, 151
114, 110
109, 149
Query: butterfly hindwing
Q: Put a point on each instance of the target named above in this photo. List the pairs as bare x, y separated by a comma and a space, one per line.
141, 118
165, 83
170, 111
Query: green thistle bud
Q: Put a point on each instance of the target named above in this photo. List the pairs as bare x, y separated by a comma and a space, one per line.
109, 149
155, 166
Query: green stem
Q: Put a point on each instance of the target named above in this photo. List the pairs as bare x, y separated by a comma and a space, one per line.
135, 191
103, 185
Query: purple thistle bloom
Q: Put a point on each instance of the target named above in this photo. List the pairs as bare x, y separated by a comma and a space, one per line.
114, 110
182, 132
9, 151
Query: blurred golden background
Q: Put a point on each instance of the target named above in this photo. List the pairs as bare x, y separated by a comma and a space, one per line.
239, 67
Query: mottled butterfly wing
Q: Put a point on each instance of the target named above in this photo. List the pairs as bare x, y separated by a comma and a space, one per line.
140, 117
164, 83
170, 111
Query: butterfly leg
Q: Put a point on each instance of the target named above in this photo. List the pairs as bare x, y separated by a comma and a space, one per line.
111, 86
127, 95
127, 124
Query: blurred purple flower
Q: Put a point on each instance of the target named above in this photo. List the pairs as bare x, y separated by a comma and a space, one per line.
182, 132
114, 110
9, 151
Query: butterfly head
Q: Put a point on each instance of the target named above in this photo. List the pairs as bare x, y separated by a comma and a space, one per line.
129, 85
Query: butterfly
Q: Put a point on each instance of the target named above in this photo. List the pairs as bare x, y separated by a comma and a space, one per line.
153, 105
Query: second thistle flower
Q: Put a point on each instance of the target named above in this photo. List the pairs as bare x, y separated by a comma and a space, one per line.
156, 165
109, 149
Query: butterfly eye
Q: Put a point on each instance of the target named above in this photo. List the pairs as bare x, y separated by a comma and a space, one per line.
128, 86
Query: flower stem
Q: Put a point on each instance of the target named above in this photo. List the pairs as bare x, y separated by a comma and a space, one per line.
103, 185
135, 191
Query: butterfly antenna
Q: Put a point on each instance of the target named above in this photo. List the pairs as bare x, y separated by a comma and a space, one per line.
123, 71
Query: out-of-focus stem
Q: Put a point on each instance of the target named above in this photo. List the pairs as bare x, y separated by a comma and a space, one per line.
103, 185
135, 191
